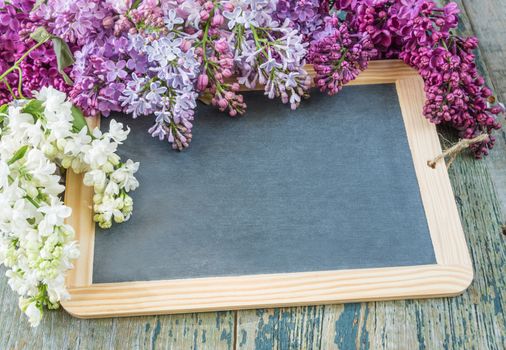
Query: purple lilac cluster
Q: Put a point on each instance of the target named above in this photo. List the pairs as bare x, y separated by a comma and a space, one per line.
377, 18
103, 62
456, 94
422, 34
339, 55
306, 16
75, 21
39, 68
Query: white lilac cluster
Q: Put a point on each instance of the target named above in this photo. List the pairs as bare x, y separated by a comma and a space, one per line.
268, 52
167, 90
39, 138
110, 178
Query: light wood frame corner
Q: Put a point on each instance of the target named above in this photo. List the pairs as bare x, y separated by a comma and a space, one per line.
450, 276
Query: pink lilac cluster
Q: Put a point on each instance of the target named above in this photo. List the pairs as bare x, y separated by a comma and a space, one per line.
422, 34
39, 68
339, 55
216, 54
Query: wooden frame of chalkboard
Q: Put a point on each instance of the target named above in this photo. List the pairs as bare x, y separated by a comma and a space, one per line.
450, 276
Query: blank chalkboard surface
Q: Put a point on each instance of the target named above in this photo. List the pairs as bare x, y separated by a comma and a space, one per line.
333, 202
276, 191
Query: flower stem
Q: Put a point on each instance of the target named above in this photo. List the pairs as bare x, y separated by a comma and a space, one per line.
20, 83
9, 87
21, 59
33, 201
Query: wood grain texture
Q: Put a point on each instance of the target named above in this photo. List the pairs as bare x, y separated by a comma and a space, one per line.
473, 321
211, 294
451, 276
82, 202
486, 20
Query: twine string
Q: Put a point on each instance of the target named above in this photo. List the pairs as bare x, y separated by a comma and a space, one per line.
452, 152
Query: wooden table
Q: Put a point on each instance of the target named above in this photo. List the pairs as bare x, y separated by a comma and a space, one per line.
475, 320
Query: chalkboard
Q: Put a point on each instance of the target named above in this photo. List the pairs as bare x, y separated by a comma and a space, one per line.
333, 202
275, 191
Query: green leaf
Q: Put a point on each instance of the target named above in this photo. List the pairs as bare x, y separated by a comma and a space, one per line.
64, 57
79, 122
66, 78
136, 4
18, 155
37, 4
40, 35
35, 108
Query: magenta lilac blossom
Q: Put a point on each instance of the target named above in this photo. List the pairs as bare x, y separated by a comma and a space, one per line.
423, 35
39, 68
339, 55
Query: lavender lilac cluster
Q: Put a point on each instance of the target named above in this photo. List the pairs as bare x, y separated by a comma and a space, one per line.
100, 72
167, 87
269, 53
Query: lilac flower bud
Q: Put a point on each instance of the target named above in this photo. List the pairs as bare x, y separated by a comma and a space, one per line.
186, 45
108, 22
223, 103
204, 15
221, 45
217, 20
202, 82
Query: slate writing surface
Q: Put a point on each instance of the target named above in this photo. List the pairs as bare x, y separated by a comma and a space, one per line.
330, 186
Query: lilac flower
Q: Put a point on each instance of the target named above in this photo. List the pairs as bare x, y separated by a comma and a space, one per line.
164, 50
305, 15
172, 20
76, 21
156, 91
115, 70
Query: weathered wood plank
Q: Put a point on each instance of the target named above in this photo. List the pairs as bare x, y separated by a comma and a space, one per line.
58, 330
486, 20
287, 328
